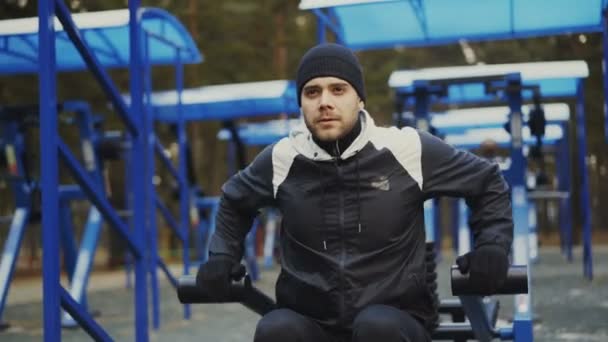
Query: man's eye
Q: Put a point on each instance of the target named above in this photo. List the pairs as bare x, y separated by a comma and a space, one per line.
311, 92
338, 90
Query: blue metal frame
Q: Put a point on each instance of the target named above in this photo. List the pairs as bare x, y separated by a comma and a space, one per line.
138, 168
90, 237
584, 179
564, 172
581, 143
604, 66
10, 252
76, 270
54, 294
602, 26
522, 322
12, 144
49, 171
185, 197
150, 191
206, 228
154, 148
511, 86
418, 10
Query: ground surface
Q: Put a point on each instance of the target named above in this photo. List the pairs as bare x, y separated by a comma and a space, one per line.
569, 307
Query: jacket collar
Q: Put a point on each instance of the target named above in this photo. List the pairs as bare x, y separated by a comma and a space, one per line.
301, 140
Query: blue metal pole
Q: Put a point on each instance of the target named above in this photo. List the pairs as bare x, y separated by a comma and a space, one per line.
68, 242
10, 253
13, 146
422, 105
139, 183
202, 233
565, 209
437, 226
464, 233
321, 34
270, 228
251, 252
454, 218
581, 136
429, 220
94, 66
148, 131
184, 193
533, 231
232, 162
130, 180
421, 114
49, 174
90, 237
522, 321
605, 68
211, 227
84, 262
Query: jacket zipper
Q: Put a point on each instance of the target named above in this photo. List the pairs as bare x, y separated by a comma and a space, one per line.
342, 243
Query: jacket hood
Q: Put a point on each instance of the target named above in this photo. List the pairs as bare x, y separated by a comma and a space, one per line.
301, 140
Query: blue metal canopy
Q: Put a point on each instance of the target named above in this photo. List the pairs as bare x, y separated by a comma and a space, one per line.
372, 24
556, 79
105, 32
229, 101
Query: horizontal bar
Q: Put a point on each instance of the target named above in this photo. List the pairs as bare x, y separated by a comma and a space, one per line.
71, 192
455, 331
516, 282
207, 201
240, 292
100, 202
548, 194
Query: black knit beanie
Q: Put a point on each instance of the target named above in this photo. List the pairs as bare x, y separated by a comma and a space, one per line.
330, 60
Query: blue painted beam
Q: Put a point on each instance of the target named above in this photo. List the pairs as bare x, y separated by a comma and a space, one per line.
49, 174
63, 14
92, 191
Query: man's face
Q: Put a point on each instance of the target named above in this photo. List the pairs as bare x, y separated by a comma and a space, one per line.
330, 107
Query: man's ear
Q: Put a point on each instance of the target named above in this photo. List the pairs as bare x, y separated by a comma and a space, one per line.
361, 105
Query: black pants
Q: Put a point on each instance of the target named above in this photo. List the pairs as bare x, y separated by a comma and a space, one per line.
380, 323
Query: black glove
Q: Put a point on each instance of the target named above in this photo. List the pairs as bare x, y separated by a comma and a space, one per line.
216, 275
487, 266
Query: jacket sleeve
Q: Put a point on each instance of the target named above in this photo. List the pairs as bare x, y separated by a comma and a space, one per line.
242, 196
447, 171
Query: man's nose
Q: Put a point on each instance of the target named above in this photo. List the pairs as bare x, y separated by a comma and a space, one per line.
325, 100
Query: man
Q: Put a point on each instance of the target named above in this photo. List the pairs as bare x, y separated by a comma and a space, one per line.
351, 196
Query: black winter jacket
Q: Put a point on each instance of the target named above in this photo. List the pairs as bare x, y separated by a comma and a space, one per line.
353, 227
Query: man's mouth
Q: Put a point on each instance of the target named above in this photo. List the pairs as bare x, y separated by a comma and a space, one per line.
322, 120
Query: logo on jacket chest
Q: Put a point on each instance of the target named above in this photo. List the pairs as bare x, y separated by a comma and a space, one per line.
380, 183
